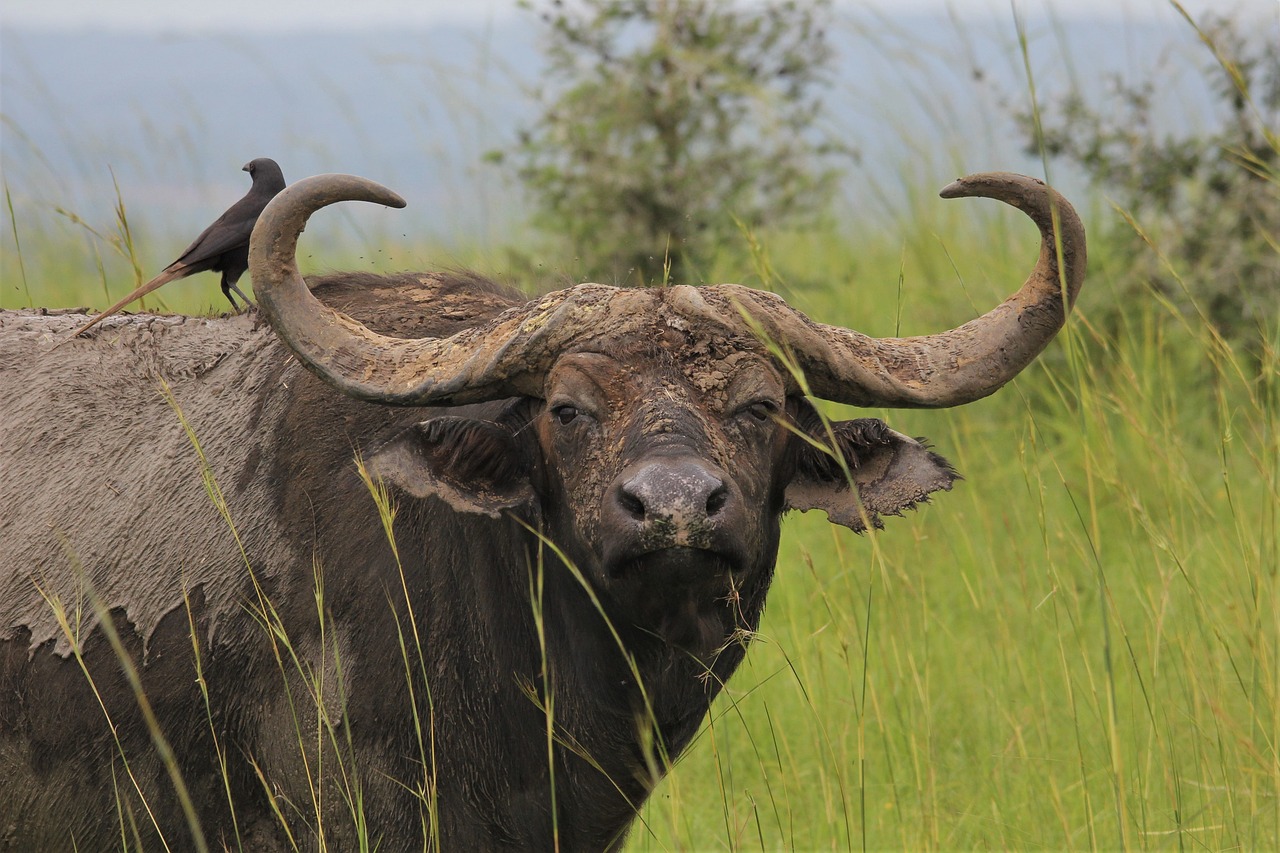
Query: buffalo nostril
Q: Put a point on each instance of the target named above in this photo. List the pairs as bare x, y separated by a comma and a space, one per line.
631, 504
717, 499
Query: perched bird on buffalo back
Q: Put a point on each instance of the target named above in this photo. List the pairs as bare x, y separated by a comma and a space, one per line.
222, 247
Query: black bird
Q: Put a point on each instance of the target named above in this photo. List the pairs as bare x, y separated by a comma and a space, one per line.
222, 247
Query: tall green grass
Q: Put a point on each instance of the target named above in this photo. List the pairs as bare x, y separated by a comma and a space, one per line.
1076, 648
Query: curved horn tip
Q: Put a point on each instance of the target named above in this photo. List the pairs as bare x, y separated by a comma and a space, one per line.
983, 184
378, 194
333, 187
390, 198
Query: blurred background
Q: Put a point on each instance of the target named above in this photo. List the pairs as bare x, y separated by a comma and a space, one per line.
164, 101
1079, 646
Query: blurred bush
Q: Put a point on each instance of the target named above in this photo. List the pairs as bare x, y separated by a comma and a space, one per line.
668, 126
1199, 222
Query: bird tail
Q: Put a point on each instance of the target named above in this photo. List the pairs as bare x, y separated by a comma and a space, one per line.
170, 273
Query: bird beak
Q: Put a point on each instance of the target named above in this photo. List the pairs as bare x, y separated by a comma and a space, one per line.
247, 167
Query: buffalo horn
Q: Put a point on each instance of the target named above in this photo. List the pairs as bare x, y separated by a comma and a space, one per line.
505, 357
966, 363
511, 354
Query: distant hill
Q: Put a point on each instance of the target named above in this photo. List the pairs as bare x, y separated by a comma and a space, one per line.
174, 117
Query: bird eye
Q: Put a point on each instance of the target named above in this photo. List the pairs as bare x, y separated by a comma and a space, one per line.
565, 414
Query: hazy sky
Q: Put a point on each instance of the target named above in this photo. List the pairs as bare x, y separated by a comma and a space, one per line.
234, 15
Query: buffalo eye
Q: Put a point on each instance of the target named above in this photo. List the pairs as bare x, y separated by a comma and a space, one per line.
760, 410
565, 414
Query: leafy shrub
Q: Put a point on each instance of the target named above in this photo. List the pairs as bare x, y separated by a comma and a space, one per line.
1200, 214
668, 125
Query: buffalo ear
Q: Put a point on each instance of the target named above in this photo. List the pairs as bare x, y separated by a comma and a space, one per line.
472, 465
890, 472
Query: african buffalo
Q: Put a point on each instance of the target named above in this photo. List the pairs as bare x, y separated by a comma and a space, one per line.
421, 562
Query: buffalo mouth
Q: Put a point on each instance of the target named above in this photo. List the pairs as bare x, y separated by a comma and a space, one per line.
682, 594
678, 565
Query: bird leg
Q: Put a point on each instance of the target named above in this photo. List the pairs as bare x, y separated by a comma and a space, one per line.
229, 285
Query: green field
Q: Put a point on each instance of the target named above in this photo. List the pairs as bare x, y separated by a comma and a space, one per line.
1076, 648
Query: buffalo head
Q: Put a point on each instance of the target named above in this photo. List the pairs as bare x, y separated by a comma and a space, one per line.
655, 436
